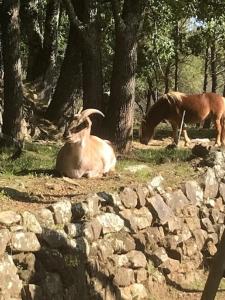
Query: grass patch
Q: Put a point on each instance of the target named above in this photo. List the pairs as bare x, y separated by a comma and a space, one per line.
34, 157
172, 164
38, 156
159, 156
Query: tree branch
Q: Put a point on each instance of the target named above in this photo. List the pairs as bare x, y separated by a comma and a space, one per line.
78, 26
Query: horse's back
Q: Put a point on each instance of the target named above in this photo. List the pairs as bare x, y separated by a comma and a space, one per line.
203, 104
216, 103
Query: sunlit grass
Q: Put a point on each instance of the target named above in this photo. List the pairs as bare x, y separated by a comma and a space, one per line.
34, 157
140, 165
172, 164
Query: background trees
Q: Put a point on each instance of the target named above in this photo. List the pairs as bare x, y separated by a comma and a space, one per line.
13, 92
108, 54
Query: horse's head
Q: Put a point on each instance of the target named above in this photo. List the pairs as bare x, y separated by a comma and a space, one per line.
146, 132
154, 115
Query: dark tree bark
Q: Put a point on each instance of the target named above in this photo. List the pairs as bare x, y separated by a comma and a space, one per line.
29, 17
50, 37
213, 66
1, 59
49, 51
205, 82
13, 94
224, 90
84, 21
42, 50
121, 106
92, 67
84, 16
68, 81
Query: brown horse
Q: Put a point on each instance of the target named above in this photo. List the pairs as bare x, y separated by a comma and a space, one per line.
195, 108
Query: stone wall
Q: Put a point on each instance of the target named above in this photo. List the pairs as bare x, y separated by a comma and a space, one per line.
114, 245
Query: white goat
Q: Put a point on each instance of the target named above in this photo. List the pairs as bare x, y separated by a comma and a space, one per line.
84, 154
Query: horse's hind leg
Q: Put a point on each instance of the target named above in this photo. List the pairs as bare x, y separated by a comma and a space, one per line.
219, 131
222, 120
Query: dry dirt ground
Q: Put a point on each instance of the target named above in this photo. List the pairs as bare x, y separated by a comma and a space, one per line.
161, 291
30, 192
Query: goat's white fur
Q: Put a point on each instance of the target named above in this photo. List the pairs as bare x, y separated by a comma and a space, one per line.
84, 154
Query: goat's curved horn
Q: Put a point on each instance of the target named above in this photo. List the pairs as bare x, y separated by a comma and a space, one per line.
87, 112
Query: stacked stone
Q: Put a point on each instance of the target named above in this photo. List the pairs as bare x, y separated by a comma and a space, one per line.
113, 245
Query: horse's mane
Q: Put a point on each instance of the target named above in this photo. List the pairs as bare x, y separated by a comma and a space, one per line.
174, 97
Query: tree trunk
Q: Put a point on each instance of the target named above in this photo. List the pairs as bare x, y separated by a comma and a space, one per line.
216, 272
176, 42
205, 82
207, 122
13, 93
50, 45
121, 106
1, 59
213, 67
69, 79
50, 36
29, 17
87, 13
92, 76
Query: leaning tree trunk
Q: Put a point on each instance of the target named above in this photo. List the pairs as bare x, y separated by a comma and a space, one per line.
30, 24
216, 272
68, 81
13, 94
121, 104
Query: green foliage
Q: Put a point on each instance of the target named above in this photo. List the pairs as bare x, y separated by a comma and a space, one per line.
191, 75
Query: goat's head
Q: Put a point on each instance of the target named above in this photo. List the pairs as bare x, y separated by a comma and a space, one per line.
80, 126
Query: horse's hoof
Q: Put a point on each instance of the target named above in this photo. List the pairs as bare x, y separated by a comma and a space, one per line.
217, 145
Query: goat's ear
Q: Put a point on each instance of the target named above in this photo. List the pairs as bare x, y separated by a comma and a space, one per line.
89, 123
80, 110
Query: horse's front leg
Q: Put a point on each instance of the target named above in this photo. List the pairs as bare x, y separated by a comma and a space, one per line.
186, 137
175, 132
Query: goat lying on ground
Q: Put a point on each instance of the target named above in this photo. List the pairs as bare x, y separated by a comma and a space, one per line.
84, 154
